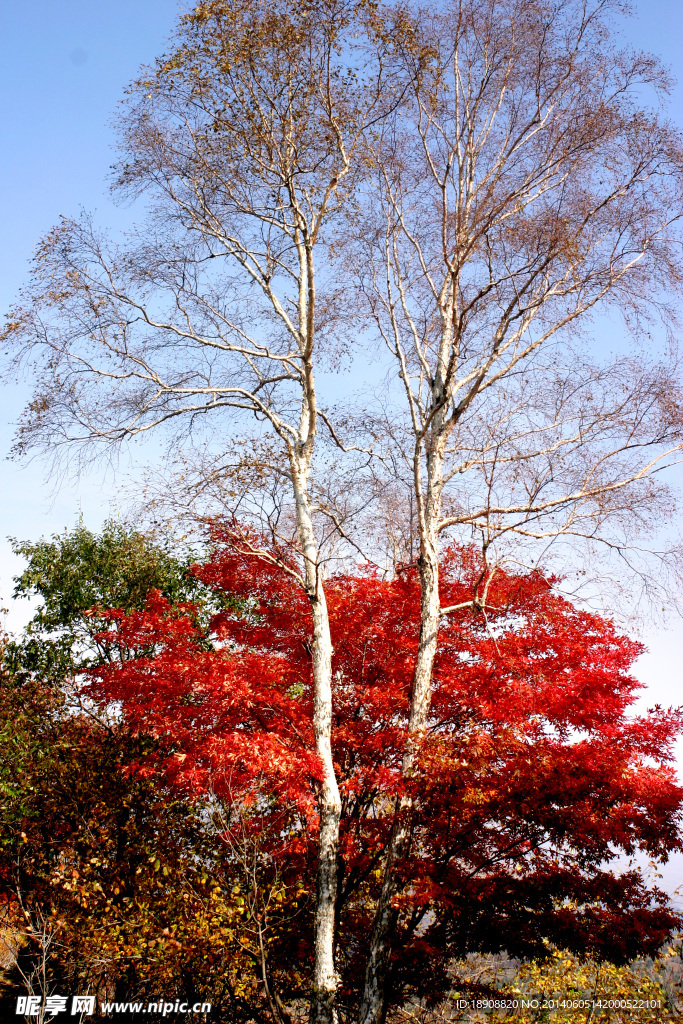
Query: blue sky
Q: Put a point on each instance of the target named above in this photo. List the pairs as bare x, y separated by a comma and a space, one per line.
63, 69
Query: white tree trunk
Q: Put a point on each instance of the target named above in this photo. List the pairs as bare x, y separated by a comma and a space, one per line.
324, 983
373, 1005
329, 804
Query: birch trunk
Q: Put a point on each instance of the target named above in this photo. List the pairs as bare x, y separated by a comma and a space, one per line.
324, 985
373, 1005
324, 982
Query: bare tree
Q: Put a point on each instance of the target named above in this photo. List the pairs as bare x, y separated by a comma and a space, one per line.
243, 140
523, 185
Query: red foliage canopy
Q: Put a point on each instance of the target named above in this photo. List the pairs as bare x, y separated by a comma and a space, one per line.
533, 777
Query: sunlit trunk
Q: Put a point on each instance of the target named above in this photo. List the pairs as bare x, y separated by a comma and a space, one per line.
324, 982
373, 1005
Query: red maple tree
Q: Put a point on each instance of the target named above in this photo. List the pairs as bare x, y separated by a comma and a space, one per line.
534, 776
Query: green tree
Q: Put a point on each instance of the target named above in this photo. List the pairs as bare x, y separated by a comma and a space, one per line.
75, 574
